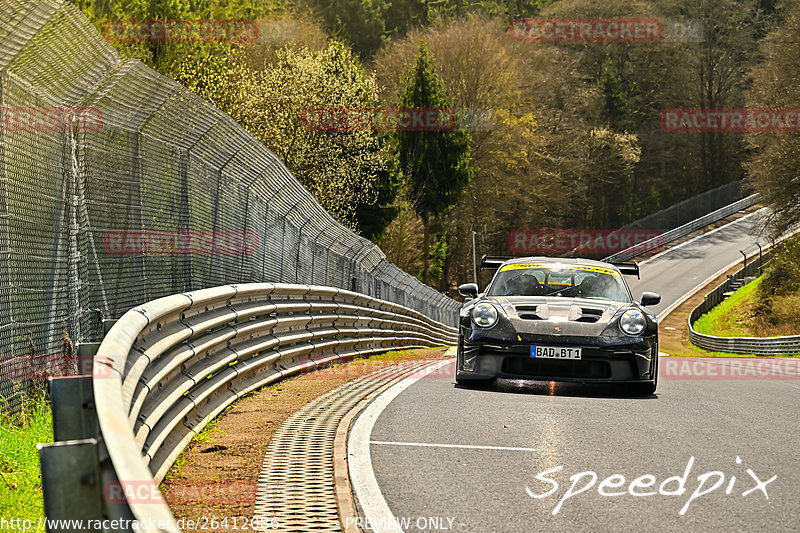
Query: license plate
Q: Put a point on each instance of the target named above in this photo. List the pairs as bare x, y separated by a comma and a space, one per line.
553, 352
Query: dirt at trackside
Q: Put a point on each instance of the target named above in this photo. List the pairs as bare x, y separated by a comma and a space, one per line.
217, 474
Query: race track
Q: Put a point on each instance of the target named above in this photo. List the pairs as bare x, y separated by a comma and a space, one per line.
453, 459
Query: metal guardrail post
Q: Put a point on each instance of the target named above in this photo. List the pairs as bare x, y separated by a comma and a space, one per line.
74, 416
71, 482
107, 325
138, 410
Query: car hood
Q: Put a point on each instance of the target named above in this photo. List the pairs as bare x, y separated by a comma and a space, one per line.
558, 316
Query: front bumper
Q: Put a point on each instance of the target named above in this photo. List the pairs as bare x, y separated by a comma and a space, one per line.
626, 363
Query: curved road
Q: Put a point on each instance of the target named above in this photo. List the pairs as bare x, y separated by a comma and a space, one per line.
453, 459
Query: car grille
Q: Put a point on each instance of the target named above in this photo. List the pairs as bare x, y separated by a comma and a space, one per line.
521, 366
590, 315
527, 312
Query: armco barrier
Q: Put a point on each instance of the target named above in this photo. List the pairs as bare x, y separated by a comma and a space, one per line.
88, 214
741, 345
682, 231
168, 367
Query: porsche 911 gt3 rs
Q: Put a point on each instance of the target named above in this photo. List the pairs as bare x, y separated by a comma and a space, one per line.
558, 319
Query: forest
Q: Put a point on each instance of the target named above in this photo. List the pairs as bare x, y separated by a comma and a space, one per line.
552, 126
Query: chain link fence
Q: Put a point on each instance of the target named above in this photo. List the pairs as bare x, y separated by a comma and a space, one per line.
93, 210
693, 208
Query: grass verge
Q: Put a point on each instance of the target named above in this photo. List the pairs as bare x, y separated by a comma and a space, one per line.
20, 478
733, 317
673, 331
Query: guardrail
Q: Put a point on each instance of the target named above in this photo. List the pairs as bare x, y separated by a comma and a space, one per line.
740, 345
170, 366
682, 231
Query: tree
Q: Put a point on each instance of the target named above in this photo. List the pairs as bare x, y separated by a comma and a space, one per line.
350, 173
482, 71
773, 164
436, 164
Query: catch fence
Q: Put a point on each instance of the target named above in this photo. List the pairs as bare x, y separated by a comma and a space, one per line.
119, 186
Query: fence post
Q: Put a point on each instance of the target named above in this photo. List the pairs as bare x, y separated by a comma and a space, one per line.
760, 260
6, 309
135, 192
745, 261
183, 216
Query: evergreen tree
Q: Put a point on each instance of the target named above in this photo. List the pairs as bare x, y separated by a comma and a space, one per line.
436, 164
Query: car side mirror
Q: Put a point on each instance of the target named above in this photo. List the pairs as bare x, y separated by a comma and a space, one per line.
468, 290
650, 298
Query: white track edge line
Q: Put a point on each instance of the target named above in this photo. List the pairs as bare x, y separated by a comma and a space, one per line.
674, 305
460, 446
362, 476
659, 254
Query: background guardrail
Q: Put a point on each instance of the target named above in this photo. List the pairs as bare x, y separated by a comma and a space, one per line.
170, 366
682, 231
741, 345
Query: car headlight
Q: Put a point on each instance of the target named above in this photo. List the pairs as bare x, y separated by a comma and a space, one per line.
632, 322
484, 315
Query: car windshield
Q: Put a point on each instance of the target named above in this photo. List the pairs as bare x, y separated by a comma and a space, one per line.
571, 281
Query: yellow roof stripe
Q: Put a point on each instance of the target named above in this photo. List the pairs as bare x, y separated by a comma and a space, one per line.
584, 268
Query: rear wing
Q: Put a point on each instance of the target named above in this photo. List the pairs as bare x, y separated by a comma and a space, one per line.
493, 262
630, 269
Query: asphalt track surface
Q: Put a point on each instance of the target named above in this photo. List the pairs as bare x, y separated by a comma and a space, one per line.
496, 442
678, 270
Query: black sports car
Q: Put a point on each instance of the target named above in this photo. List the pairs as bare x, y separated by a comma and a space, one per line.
557, 319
